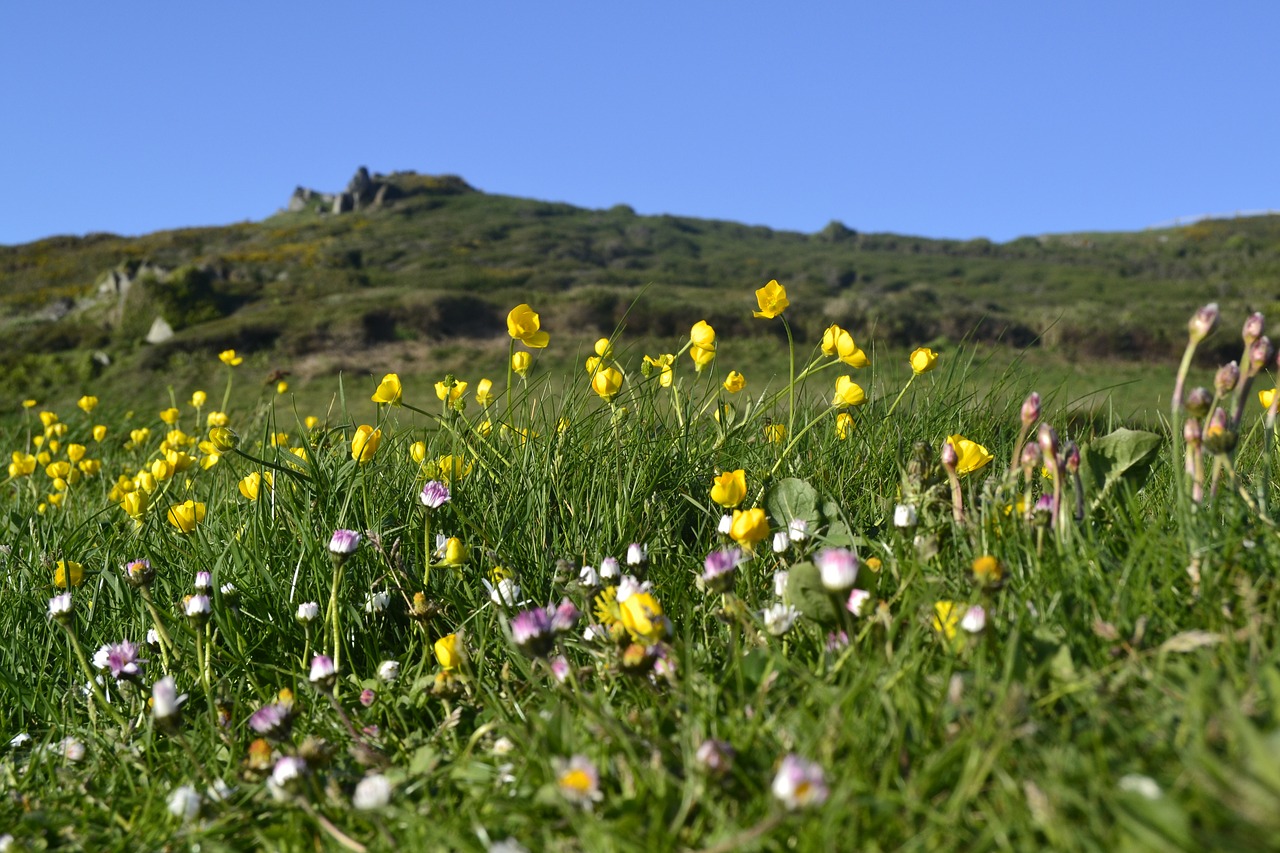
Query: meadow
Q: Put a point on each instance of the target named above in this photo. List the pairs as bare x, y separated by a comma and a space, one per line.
653, 601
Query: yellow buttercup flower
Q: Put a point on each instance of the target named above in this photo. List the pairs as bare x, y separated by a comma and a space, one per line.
749, 527
971, 456
524, 325
450, 652
135, 503
451, 393
775, 433
75, 452
186, 516
48, 419
282, 387
29, 404
702, 335
484, 393
229, 358
198, 399
839, 343
848, 393
87, 403
604, 348
923, 360
389, 390
89, 467
663, 365
772, 299
455, 553
365, 443
23, 464
251, 485
99, 432
607, 383
946, 618
520, 362
217, 419
641, 614
170, 416
222, 440
68, 574
1265, 397
311, 422
139, 436
450, 467
701, 356
735, 382
418, 451
844, 424
730, 488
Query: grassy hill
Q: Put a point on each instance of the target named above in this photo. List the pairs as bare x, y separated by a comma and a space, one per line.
429, 273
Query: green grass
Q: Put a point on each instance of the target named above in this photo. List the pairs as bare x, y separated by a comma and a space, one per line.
1089, 686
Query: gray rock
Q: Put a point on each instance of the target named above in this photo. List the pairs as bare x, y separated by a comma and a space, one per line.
298, 201
361, 188
343, 202
160, 331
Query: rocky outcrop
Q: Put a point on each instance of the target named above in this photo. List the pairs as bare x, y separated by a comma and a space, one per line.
364, 191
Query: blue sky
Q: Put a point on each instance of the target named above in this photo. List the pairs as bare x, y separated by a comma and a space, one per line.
945, 119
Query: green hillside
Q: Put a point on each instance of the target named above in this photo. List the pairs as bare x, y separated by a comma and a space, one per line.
429, 268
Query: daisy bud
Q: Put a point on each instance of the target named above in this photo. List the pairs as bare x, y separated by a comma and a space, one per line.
184, 803
308, 612
780, 582
138, 573
198, 608
531, 631
839, 568
725, 525
779, 618
800, 783
797, 529
974, 620
781, 541
715, 757
204, 581
60, 608
720, 569
608, 569
1191, 432
343, 544
434, 494
589, 577
904, 515
858, 600
389, 670
565, 617
373, 792
323, 673
637, 554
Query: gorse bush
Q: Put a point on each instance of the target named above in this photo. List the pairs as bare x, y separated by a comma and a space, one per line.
656, 604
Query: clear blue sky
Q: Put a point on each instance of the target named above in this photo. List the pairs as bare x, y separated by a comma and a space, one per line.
945, 119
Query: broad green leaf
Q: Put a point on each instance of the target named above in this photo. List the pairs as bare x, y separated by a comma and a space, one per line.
1122, 454
808, 595
790, 499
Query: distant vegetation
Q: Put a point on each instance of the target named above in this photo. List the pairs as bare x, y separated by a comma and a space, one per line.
439, 262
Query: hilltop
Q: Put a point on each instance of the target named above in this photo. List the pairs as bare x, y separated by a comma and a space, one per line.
410, 258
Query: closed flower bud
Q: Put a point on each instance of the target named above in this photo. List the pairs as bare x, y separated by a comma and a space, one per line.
1191, 432
1259, 354
1203, 322
949, 457
1218, 436
1071, 457
1198, 402
1226, 378
223, 439
904, 515
1047, 438
1031, 409
1253, 327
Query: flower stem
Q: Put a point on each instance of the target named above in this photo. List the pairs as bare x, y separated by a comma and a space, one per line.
901, 394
